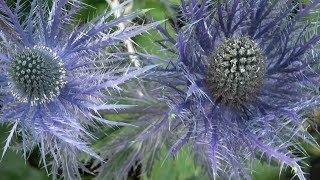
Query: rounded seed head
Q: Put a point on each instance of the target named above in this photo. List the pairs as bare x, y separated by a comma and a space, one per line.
235, 71
38, 75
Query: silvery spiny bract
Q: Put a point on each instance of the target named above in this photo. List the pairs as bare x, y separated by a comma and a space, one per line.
241, 84
56, 73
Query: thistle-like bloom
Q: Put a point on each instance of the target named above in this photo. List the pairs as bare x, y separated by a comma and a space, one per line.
243, 82
56, 74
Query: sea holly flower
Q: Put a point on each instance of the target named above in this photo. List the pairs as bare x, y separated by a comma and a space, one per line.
57, 74
242, 84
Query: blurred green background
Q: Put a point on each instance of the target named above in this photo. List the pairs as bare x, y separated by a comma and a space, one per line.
14, 167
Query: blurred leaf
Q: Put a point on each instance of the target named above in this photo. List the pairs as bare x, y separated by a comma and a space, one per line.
180, 168
97, 8
263, 171
14, 167
161, 10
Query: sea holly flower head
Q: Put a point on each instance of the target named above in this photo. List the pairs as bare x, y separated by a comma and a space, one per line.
242, 84
57, 74
235, 71
37, 74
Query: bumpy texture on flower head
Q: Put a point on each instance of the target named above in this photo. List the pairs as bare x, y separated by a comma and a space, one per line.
244, 80
56, 74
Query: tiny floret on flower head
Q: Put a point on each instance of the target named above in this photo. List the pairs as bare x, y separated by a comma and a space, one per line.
235, 71
38, 74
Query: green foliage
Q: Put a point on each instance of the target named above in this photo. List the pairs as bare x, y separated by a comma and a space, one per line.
89, 13
14, 167
161, 10
180, 168
263, 171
